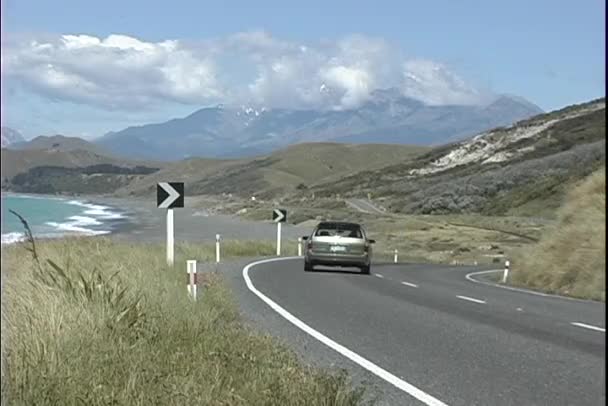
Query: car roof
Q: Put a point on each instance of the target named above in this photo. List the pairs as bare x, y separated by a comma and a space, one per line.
346, 224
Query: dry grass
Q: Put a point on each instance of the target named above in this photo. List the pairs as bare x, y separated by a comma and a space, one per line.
94, 322
570, 258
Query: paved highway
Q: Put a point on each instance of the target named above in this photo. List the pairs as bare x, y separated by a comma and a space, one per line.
364, 206
436, 337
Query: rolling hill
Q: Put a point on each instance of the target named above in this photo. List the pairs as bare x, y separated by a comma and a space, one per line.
60, 143
388, 117
68, 171
296, 167
524, 169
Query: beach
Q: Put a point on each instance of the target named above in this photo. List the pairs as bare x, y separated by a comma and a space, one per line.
139, 219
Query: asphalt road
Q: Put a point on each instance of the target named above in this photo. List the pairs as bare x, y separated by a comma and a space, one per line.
428, 335
364, 206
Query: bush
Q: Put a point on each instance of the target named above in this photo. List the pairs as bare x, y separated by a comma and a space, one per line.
570, 259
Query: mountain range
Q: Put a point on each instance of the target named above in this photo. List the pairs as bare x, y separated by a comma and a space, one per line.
387, 117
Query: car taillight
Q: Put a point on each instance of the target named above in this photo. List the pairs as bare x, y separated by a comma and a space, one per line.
309, 245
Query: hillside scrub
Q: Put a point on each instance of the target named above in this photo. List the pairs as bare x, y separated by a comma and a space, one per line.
91, 321
570, 257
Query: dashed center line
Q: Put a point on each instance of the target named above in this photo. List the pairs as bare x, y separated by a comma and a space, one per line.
378, 275
589, 326
471, 299
413, 285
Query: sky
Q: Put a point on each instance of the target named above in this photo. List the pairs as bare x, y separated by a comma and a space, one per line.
86, 68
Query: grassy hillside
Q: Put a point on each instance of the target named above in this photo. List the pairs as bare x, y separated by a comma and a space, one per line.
570, 258
73, 171
111, 323
297, 167
521, 170
61, 143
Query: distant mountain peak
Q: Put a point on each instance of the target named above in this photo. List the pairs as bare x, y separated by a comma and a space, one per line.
10, 136
393, 95
513, 100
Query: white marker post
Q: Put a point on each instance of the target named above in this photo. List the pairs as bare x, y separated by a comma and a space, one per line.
192, 282
170, 239
396, 256
217, 248
299, 246
278, 239
505, 275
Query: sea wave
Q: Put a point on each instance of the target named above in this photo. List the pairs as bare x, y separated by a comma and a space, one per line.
12, 238
89, 222
79, 224
34, 197
102, 212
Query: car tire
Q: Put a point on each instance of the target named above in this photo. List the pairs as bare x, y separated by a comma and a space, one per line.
365, 270
308, 266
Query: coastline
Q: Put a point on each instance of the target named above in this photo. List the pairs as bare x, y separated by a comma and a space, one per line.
96, 218
142, 221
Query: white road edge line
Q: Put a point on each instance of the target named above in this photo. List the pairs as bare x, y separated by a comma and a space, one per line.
413, 285
589, 326
469, 277
356, 358
378, 275
471, 299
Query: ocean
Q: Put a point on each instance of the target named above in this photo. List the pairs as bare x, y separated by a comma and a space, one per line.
51, 217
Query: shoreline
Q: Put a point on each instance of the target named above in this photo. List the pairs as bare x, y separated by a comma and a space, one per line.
96, 217
142, 221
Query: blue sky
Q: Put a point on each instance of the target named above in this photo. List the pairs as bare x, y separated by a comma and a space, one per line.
550, 52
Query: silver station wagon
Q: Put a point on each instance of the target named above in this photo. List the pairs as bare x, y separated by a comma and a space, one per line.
337, 243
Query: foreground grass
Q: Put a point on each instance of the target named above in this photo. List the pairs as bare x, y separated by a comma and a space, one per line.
570, 258
98, 322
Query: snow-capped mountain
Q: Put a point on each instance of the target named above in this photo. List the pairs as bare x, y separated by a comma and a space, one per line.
10, 136
386, 117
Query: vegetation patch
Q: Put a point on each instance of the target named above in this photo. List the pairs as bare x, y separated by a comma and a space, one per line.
95, 322
570, 257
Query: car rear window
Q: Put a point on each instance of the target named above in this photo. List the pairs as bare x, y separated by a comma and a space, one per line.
343, 230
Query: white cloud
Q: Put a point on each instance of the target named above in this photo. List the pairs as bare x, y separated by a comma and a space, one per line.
434, 84
122, 72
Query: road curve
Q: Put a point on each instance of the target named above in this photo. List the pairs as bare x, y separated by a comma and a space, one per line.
364, 206
441, 338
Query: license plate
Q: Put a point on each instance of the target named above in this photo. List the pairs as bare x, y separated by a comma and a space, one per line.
337, 248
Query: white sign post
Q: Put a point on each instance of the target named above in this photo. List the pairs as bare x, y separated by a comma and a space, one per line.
278, 239
396, 258
192, 282
505, 275
299, 246
168, 196
170, 237
217, 248
279, 216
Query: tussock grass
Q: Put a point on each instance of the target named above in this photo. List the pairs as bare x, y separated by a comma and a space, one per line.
570, 258
91, 321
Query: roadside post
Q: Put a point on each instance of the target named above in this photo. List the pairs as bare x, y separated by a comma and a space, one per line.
279, 216
192, 282
168, 196
396, 258
299, 246
505, 275
217, 248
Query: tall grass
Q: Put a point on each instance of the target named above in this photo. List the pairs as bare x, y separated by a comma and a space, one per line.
570, 258
91, 321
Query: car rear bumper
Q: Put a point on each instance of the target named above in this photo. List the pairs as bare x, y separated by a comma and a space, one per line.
337, 259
